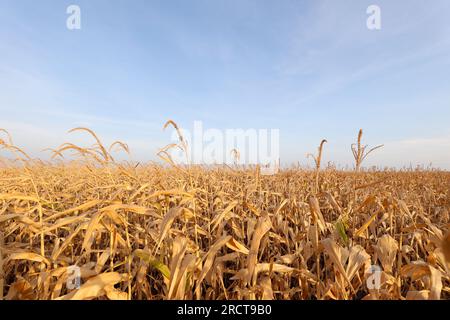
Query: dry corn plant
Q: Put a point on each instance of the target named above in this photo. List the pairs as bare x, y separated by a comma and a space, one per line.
153, 232
317, 160
359, 151
236, 156
182, 145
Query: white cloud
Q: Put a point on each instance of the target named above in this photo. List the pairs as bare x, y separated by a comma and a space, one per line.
415, 151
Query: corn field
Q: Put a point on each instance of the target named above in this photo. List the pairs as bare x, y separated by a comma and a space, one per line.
161, 231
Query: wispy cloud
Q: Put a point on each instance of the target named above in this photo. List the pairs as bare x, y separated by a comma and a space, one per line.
415, 151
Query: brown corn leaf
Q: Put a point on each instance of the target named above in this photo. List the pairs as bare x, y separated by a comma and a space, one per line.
235, 245
262, 227
95, 287
387, 248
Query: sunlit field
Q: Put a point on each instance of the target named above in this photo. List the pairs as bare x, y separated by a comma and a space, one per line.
163, 231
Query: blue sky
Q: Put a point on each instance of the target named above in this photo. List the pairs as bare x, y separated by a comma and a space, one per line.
310, 68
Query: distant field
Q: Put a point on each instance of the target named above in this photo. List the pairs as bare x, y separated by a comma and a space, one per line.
157, 233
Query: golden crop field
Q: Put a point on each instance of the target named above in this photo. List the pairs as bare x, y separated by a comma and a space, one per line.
149, 231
